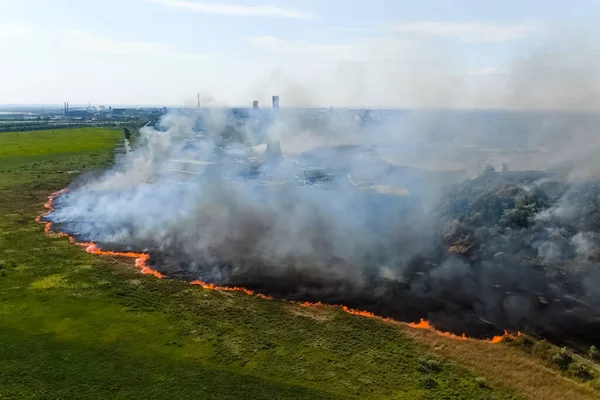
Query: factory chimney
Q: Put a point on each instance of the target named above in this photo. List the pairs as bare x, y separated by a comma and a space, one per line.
198, 101
275, 102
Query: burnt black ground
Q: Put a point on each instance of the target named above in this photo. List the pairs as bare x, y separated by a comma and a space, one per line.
563, 321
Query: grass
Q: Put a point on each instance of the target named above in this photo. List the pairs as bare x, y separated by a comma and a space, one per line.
59, 141
510, 365
76, 325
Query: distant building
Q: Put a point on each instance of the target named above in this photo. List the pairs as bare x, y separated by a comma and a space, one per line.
117, 112
255, 104
275, 102
79, 113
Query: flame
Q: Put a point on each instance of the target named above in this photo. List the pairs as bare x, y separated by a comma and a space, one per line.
212, 286
424, 324
506, 335
358, 312
141, 260
50, 207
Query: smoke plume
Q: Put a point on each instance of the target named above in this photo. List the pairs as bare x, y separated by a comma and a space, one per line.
394, 212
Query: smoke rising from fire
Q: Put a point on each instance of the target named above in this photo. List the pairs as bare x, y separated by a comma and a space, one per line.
393, 225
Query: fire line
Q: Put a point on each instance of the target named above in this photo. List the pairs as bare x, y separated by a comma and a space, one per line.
141, 260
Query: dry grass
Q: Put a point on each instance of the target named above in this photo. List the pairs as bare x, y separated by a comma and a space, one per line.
320, 315
505, 366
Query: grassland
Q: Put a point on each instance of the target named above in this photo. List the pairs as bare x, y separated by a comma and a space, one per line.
76, 325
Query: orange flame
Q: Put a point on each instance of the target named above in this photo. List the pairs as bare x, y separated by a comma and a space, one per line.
506, 335
423, 324
49, 206
212, 286
141, 260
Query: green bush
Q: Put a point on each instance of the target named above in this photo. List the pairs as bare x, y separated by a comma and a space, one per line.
593, 352
429, 383
562, 359
429, 365
525, 343
481, 382
581, 371
7, 264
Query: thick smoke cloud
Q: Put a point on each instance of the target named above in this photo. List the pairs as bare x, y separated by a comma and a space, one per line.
219, 217
391, 212
514, 250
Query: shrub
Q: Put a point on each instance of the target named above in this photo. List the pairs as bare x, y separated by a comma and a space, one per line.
430, 366
581, 371
481, 382
525, 343
593, 352
429, 383
4, 264
562, 359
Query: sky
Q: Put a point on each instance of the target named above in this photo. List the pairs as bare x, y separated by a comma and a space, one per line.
341, 53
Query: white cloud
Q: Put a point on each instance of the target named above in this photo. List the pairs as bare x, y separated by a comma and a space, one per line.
86, 41
235, 9
14, 30
468, 32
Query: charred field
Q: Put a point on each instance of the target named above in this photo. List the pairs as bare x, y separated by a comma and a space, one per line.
475, 253
504, 281
82, 325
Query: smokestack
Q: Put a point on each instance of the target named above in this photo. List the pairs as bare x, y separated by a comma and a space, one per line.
67, 107
255, 104
198, 101
275, 102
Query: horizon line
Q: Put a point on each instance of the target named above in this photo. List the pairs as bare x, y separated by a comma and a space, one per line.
249, 106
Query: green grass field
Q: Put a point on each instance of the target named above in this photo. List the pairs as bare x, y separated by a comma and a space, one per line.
76, 325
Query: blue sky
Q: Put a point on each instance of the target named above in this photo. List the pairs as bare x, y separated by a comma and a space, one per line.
329, 52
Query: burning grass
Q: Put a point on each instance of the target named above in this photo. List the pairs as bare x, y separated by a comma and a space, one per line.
428, 382
108, 331
141, 262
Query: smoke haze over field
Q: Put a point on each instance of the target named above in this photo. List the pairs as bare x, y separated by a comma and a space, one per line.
506, 250
396, 229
